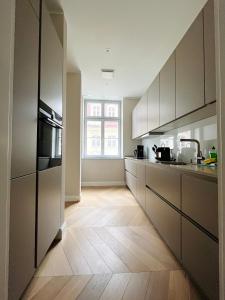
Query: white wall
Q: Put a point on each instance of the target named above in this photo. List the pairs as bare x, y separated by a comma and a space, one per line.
73, 138
205, 131
102, 172
109, 172
7, 19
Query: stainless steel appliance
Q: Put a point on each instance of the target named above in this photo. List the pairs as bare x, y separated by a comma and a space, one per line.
162, 153
49, 138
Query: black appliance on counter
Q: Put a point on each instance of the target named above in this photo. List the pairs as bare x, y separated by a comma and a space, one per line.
162, 153
139, 152
49, 137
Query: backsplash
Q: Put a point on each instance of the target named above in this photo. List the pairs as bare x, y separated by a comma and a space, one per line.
205, 131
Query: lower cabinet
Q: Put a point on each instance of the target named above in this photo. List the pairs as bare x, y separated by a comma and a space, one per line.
200, 257
49, 199
141, 185
131, 182
22, 234
166, 220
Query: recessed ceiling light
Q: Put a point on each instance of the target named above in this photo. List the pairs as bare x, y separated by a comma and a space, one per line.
108, 50
107, 73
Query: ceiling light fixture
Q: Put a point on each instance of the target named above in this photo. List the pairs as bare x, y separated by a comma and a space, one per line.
107, 73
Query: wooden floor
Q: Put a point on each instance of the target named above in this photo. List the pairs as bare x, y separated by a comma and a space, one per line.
109, 251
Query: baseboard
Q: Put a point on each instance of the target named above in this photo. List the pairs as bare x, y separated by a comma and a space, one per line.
103, 183
72, 198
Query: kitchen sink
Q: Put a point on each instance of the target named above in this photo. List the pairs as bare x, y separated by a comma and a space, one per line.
175, 163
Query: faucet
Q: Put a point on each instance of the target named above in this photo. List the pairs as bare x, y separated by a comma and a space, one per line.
199, 153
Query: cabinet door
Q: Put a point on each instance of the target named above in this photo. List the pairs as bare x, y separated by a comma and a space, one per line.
153, 105
134, 123
166, 220
51, 64
22, 234
165, 181
143, 115
36, 6
131, 166
49, 203
209, 45
200, 256
196, 194
131, 182
25, 90
141, 184
167, 92
190, 70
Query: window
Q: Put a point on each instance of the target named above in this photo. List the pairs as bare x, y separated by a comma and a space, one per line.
102, 128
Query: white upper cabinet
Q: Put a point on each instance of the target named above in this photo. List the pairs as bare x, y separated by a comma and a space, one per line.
153, 105
143, 115
167, 91
190, 70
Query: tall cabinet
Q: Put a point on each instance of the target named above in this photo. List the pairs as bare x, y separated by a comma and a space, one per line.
24, 144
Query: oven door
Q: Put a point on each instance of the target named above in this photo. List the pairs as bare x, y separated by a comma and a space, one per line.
49, 144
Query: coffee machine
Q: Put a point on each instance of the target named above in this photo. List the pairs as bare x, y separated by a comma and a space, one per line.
139, 152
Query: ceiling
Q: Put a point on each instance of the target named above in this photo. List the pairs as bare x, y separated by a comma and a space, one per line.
141, 35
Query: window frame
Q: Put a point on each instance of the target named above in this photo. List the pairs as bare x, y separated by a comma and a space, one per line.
102, 118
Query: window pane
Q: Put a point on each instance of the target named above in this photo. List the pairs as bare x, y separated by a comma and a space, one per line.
111, 110
111, 136
111, 129
93, 137
94, 109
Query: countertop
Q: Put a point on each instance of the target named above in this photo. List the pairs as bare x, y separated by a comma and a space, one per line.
189, 168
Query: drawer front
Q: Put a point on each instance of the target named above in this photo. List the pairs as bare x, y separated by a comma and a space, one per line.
200, 202
166, 220
131, 182
166, 182
130, 166
141, 184
200, 256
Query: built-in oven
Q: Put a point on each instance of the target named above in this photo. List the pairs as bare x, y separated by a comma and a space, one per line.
49, 138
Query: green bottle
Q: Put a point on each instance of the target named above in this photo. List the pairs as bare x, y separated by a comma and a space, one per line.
213, 153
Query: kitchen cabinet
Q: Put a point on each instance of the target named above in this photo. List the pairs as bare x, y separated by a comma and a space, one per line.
153, 105
131, 166
143, 115
200, 257
167, 91
51, 64
190, 70
25, 90
197, 193
134, 122
140, 193
131, 182
166, 220
22, 234
49, 203
36, 6
164, 181
209, 50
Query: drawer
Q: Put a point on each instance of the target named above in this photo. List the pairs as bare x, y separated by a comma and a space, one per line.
166, 220
130, 166
141, 184
131, 182
200, 256
200, 201
165, 181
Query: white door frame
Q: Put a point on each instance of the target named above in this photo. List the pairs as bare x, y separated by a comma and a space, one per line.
7, 21
220, 73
